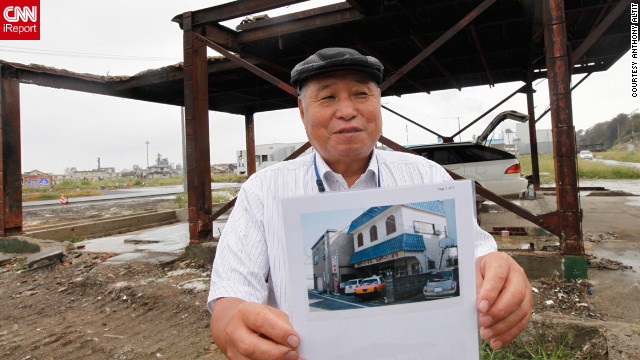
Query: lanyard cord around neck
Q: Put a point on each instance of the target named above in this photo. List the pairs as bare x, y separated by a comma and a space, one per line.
319, 182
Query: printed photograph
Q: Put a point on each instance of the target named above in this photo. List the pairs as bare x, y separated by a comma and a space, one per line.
382, 255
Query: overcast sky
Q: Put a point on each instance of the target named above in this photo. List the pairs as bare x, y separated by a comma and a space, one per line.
62, 128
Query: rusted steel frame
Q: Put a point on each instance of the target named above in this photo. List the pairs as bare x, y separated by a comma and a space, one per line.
436, 44
488, 111
598, 31
413, 122
252, 68
232, 202
573, 87
356, 5
251, 144
533, 137
293, 17
304, 147
421, 44
541, 220
390, 67
10, 157
232, 10
196, 102
483, 58
307, 23
564, 140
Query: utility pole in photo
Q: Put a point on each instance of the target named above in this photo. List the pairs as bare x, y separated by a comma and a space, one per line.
147, 142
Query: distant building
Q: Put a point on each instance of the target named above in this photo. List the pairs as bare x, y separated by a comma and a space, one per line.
332, 246
108, 173
544, 138
267, 155
161, 169
223, 168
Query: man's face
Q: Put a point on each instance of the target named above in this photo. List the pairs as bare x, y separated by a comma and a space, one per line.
341, 114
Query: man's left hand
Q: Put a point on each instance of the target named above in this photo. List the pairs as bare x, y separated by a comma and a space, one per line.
504, 298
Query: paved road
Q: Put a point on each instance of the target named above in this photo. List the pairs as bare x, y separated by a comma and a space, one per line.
620, 163
156, 191
318, 302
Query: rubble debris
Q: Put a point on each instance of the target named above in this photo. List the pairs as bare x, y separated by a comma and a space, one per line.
597, 237
611, 193
606, 264
563, 297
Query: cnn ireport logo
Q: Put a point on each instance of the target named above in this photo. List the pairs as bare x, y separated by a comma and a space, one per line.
20, 20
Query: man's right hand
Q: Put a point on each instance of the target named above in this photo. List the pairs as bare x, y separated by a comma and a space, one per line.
245, 330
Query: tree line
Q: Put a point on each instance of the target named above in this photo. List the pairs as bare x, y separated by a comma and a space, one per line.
619, 130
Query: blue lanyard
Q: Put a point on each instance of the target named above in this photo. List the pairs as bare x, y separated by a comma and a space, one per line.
319, 182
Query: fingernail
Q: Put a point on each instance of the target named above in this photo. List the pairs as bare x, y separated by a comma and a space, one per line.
485, 320
496, 345
486, 334
293, 341
292, 355
483, 306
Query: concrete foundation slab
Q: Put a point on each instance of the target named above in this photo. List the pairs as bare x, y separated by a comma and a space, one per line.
49, 256
4, 259
205, 252
146, 257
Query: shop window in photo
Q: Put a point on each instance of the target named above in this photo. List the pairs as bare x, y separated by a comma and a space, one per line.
421, 227
373, 233
391, 225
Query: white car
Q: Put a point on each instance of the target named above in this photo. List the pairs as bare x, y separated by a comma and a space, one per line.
350, 287
494, 169
586, 155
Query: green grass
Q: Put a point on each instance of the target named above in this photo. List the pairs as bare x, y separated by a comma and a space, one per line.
587, 169
228, 178
540, 343
626, 156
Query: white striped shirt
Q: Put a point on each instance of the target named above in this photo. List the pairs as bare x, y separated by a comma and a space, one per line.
250, 258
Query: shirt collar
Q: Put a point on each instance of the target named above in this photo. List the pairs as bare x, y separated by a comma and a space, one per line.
325, 171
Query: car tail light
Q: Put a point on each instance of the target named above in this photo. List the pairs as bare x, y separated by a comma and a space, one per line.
513, 169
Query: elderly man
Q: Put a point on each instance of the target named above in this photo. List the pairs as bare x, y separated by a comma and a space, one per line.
339, 103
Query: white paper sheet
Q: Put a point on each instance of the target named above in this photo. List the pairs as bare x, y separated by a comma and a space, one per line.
370, 329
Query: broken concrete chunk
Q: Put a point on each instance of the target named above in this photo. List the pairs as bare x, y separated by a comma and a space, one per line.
4, 259
45, 258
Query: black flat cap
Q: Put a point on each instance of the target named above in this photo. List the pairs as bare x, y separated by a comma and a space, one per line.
335, 59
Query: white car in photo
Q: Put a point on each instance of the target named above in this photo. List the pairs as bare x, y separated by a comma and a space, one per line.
350, 287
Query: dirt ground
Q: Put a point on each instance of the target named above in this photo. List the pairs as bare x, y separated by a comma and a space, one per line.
81, 309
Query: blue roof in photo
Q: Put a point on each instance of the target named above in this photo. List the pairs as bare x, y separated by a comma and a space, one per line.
436, 207
408, 242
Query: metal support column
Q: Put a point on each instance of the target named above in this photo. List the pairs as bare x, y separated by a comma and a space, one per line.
196, 102
251, 144
564, 139
533, 138
10, 163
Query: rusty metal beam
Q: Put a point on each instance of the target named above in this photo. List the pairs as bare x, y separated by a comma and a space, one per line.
572, 88
413, 122
270, 21
356, 5
251, 144
196, 101
598, 31
421, 44
564, 140
483, 58
545, 221
245, 64
389, 66
520, 89
533, 138
436, 44
231, 10
299, 151
305, 23
10, 158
